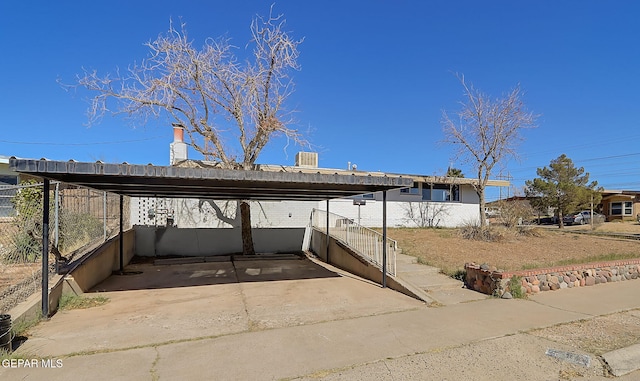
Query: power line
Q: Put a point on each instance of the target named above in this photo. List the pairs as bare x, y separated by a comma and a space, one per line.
587, 145
579, 161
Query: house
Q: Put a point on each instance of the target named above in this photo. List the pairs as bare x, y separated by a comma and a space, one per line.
620, 204
436, 201
8, 181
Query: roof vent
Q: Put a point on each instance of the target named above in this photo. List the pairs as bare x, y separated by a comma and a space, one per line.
307, 159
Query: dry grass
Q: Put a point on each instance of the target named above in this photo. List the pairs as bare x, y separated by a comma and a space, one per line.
446, 249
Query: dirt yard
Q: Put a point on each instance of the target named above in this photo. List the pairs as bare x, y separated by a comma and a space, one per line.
548, 246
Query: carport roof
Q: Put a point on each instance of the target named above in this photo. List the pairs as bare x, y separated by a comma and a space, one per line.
168, 181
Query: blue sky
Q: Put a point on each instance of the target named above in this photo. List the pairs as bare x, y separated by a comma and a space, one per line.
375, 78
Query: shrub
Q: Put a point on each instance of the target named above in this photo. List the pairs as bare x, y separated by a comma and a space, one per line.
515, 287
528, 231
26, 243
482, 233
24, 248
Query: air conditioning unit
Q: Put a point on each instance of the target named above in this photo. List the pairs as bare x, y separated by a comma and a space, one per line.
307, 159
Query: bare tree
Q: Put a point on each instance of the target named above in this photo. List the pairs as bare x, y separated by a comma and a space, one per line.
230, 108
425, 214
487, 132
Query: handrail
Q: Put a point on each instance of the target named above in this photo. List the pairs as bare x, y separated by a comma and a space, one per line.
365, 241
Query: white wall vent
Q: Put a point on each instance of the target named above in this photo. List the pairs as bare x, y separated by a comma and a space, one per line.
307, 159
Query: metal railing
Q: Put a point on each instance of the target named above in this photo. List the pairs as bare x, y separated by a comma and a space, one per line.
367, 242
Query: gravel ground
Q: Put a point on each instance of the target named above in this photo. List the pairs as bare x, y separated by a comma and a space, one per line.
598, 335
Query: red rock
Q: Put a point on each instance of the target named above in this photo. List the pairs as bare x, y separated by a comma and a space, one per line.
535, 289
589, 281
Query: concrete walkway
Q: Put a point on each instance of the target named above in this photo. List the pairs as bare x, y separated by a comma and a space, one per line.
329, 325
432, 286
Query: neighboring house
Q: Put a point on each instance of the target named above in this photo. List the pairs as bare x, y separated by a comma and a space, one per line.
431, 201
8, 180
620, 204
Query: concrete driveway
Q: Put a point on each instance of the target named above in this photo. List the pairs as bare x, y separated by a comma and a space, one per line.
182, 302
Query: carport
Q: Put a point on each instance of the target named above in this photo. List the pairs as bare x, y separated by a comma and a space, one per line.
213, 183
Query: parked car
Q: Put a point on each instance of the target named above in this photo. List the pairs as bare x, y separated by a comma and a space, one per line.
583, 217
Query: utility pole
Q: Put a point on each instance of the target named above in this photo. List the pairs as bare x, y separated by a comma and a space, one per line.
591, 211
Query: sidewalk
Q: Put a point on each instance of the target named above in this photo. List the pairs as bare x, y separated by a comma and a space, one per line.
401, 343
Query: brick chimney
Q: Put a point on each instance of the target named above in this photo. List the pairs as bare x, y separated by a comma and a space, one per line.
177, 149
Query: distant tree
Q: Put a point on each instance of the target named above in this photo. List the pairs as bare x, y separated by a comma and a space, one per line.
230, 108
454, 172
486, 132
563, 187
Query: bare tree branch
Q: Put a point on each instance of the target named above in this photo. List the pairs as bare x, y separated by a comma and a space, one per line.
230, 109
487, 132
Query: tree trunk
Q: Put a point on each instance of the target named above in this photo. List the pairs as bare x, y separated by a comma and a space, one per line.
482, 205
247, 236
560, 219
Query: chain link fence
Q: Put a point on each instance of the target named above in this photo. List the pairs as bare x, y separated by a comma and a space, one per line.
80, 219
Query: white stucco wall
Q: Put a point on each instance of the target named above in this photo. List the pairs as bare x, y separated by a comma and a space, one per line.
201, 213
452, 214
193, 213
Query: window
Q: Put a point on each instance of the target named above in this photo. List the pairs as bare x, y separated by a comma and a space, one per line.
622, 208
7, 193
426, 192
415, 189
368, 196
8, 180
440, 192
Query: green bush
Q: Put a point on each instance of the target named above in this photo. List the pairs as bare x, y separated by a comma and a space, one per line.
515, 287
24, 248
26, 243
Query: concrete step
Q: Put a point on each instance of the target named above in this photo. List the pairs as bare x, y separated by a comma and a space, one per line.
430, 285
415, 267
428, 280
403, 258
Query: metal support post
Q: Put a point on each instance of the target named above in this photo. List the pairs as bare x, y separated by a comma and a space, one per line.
328, 231
56, 223
56, 230
45, 249
121, 236
104, 216
384, 239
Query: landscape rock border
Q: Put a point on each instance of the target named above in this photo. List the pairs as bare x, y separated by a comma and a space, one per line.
492, 281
